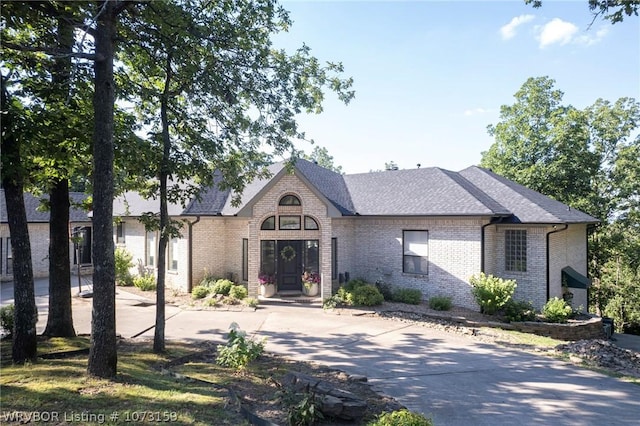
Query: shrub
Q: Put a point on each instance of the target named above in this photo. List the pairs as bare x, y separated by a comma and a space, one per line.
402, 417
440, 303
334, 301
6, 318
252, 302
517, 311
306, 411
355, 283
238, 292
385, 289
123, 261
410, 296
557, 310
223, 287
145, 282
208, 281
366, 295
239, 351
490, 292
200, 292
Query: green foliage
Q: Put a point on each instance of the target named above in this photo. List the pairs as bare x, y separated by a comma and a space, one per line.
252, 302
517, 311
355, 283
612, 10
207, 281
222, 287
334, 301
238, 292
304, 409
200, 292
402, 417
320, 155
557, 310
440, 303
385, 289
6, 318
490, 292
410, 296
366, 295
124, 261
145, 282
239, 350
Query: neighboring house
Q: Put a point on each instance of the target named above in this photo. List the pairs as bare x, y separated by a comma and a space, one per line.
38, 223
429, 229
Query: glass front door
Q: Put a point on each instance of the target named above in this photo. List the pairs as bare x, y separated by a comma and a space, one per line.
289, 265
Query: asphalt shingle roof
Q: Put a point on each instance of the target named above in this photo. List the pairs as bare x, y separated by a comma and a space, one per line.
418, 192
35, 214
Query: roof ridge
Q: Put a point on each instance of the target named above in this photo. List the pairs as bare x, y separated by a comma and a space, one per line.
488, 201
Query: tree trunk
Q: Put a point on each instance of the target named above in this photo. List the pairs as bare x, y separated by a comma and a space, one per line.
103, 356
24, 346
158, 338
60, 319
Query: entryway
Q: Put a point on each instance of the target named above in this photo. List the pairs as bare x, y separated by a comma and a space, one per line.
289, 265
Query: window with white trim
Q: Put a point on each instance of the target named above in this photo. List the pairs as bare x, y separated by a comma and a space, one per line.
120, 234
415, 259
515, 250
151, 248
172, 265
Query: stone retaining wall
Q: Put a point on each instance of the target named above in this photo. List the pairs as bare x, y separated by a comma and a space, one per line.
573, 330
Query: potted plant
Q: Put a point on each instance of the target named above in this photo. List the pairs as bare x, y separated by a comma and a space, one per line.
310, 281
267, 284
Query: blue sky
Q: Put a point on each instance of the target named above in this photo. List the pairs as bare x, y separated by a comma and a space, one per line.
430, 76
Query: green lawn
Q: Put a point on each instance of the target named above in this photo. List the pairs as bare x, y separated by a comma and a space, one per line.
141, 393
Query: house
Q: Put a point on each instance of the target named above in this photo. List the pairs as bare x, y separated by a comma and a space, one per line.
38, 223
429, 229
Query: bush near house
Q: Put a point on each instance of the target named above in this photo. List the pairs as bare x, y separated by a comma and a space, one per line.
200, 292
222, 287
440, 303
518, 311
490, 292
402, 417
238, 292
409, 296
123, 261
145, 282
557, 310
356, 292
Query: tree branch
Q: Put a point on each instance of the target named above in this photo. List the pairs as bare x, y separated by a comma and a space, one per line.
53, 51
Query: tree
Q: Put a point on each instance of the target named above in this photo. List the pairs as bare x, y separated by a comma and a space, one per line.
206, 81
24, 344
588, 160
321, 156
612, 10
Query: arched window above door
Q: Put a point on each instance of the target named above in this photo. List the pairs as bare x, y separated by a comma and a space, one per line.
289, 200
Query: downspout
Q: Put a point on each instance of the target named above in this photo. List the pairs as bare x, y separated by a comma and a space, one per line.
566, 225
493, 221
190, 255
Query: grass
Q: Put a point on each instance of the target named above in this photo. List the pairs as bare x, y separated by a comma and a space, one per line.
139, 392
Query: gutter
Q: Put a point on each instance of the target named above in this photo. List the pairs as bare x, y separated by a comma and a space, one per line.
190, 255
566, 225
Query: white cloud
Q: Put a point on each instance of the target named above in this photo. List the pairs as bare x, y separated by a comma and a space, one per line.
509, 31
589, 38
476, 111
557, 31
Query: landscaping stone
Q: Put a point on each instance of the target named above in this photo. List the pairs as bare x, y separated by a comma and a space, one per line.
334, 402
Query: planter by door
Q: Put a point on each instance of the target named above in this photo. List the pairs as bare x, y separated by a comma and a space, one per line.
310, 289
267, 290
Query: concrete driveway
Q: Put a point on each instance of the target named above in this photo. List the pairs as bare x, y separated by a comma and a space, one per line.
454, 379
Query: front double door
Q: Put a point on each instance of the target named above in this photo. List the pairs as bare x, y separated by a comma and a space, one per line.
290, 259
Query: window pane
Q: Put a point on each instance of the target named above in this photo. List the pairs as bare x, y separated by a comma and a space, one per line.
120, 233
173, 254
151, 248
334, 258
268, 257
289, 222
416, 252
515, 250
311, 257
289, 200
245, 259
269, 224
310, 223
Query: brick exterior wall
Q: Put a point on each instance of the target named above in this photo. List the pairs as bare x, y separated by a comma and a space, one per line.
566, 248
39, 240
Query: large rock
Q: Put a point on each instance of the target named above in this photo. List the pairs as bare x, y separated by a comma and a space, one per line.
334, 402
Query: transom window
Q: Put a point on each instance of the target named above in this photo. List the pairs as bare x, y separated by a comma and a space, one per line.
515, 250
289, 222
269, 224
310, 223
415, 246
289, 200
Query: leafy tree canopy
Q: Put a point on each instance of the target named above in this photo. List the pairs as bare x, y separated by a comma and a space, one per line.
320, 155
612, 10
